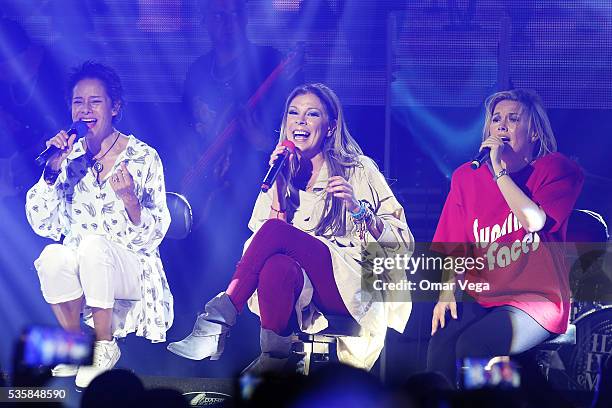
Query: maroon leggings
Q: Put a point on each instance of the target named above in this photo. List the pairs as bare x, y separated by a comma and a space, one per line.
273, 264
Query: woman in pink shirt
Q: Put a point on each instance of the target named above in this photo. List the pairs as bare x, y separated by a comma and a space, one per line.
506, 212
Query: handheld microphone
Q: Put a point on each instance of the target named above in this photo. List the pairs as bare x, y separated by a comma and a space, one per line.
276, 167
483, 156
78, 128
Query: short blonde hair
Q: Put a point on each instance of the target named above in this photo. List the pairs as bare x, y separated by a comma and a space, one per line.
539, 124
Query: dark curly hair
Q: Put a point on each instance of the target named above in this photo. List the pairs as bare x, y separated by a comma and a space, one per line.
101, 72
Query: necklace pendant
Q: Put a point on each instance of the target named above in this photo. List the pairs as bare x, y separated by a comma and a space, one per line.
98, 167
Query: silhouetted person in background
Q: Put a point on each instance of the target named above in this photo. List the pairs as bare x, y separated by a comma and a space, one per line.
216, 90
114, 389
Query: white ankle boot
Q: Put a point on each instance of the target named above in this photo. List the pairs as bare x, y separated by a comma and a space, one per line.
207, 339
275, 355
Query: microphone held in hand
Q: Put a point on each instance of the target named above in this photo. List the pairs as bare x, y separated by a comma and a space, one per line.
480, 158
483, 156
78, 128
276, 167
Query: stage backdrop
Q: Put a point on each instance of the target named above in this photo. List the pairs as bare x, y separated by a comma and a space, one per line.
412, 74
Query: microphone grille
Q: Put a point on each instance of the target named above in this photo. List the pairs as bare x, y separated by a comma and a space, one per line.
80, 127
289, 145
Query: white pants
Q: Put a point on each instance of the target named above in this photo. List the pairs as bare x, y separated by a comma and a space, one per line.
99, 269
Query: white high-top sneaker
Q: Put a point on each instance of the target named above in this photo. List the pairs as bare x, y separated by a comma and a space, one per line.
64, 370
106, 355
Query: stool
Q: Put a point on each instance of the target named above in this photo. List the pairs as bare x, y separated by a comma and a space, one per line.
547, 354
320, 348
567, 338
181, 216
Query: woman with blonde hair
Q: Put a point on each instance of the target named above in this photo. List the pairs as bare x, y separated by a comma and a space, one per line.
506, 213
303, 260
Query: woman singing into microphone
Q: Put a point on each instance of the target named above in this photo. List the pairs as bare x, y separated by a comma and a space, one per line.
506, 214
303, 260
105, 195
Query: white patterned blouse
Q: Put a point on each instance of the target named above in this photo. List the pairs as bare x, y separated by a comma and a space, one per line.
77, 206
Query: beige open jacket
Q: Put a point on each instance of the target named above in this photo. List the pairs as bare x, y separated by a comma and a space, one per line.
374, 311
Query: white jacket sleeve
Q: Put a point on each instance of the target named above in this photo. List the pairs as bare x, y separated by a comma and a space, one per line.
154, 215
44, 205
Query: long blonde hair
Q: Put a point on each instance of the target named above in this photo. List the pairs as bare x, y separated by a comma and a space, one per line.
539, 124
340, 152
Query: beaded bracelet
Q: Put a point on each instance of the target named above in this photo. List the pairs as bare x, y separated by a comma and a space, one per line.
362, 219
360, 213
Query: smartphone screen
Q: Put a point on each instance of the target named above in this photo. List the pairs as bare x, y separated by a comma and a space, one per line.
49, 346
248, 384
495, 372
